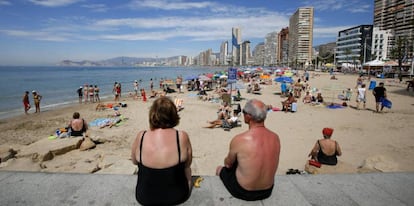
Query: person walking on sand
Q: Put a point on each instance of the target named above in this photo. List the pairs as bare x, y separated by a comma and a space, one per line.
26, 102
253, 158
361, 95
36, 99
379, 92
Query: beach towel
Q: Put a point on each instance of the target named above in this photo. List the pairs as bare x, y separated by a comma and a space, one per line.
334, 106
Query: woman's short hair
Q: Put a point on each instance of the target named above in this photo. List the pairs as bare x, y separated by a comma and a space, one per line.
163, 114
76, 115
257, 111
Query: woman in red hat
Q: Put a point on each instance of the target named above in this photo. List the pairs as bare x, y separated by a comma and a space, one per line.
326, 150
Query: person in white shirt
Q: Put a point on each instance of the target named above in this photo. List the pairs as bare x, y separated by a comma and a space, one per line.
362, 91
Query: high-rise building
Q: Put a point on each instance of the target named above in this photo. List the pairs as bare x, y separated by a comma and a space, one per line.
382, 43
397, 16
245, 55
258, 54
224, 48
236, 43
353, 45
301, 37
271, 49
282, 51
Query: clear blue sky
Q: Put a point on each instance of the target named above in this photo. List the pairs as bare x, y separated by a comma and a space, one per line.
44, 32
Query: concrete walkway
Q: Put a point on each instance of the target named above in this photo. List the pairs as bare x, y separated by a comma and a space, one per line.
27, 188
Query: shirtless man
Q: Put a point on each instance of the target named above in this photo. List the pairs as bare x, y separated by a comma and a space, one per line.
250, 166
77, 126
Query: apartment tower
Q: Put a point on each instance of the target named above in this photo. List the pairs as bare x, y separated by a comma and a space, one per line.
301, 37
397, 16
236, 43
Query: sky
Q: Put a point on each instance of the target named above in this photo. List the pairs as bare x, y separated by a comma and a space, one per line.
45, 32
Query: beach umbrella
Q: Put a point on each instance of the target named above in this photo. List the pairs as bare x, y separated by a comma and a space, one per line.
204, 78
284, 79
209, 75
288, 74
223, 76
191, 77
264, 76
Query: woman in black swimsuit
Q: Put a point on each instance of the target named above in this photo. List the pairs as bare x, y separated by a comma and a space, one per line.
163, 156
326, 150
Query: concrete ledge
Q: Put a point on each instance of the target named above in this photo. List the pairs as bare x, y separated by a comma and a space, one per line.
33, 188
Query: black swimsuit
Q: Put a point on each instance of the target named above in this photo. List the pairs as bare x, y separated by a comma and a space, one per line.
78, 133
228, 176
167, 186
327, 159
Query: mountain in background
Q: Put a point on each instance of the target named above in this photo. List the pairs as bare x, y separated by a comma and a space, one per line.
122, 61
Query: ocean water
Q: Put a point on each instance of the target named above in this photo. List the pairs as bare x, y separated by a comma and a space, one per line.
58, 84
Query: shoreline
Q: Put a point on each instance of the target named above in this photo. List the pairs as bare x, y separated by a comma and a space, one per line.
363, 135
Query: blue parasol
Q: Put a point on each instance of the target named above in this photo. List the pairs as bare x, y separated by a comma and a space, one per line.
284, 79
191, 77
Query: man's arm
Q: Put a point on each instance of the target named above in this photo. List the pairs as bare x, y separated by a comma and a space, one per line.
231, 156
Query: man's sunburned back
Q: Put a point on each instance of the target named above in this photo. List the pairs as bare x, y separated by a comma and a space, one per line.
258, 158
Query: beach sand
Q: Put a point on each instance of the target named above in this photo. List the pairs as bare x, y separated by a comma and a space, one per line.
384, 141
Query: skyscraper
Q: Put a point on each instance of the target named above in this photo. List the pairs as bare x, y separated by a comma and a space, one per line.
271, 47
397, 16
224, 53
283, 43
236, 43
301, 37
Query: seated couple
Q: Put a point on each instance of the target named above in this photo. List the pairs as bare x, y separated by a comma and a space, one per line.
164, 156
77, 126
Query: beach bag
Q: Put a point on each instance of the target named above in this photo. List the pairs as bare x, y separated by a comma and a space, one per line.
386, 103
315, 163
294, 107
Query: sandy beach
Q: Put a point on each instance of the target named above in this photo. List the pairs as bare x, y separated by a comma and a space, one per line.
384, 139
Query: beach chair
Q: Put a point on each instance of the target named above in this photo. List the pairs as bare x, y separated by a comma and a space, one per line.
226, 98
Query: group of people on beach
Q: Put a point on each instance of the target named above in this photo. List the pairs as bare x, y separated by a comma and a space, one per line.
88, 93
164, 155
379, 92
36, 99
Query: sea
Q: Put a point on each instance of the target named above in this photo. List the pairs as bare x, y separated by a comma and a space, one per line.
58, 84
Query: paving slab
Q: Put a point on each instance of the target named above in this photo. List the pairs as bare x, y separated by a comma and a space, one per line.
44, 189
